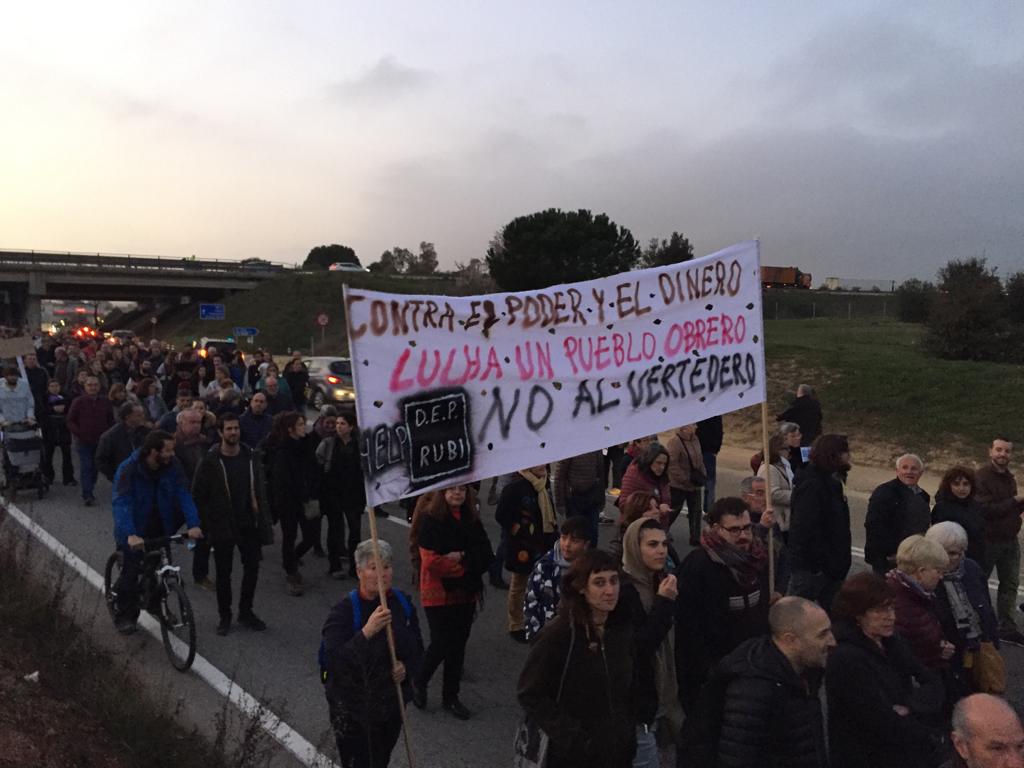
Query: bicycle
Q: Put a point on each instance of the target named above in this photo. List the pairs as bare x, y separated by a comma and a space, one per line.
163, 596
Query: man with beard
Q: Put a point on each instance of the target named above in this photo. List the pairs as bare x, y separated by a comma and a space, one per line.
764, 696
723, 595
228, 490
819, 525
150, 493
1001, 507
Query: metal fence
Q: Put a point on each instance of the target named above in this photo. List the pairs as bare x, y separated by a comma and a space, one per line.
811, 305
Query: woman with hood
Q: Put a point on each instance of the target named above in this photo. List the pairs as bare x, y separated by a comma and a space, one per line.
648, 596
955, 503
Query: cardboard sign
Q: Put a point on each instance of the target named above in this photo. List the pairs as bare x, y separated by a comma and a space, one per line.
19, 345
456, 389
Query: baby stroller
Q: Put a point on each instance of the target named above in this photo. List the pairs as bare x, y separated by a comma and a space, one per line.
22, 456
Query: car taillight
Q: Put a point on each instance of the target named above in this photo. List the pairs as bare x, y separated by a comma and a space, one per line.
333, 380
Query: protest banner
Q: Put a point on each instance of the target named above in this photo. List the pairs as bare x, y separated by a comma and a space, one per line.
457, 389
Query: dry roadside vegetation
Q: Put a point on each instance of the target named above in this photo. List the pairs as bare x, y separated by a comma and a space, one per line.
64, 702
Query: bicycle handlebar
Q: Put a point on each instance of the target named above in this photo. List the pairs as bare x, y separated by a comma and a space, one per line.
163, 541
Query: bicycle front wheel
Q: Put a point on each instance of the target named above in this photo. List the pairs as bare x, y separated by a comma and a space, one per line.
177, 625
111, 574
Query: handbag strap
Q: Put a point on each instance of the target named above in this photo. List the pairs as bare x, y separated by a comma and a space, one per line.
568, 656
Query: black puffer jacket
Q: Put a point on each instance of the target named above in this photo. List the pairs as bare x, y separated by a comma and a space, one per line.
863, 683
895, 511
819, 527
593, 724
359, 670
769, 716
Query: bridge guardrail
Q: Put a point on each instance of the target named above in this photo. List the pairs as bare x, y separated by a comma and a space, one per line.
129, 261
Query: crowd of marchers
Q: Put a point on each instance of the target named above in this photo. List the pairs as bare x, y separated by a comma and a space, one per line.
762, 646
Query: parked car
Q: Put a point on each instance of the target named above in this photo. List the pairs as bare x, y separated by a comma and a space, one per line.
121, 336
344, 266
225, 347
330, 380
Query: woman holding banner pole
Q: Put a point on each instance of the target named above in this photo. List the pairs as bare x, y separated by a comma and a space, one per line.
454, 554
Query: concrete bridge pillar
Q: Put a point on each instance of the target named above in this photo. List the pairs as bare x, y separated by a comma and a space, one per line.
34, 305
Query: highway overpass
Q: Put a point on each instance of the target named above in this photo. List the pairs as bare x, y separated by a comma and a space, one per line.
28, 277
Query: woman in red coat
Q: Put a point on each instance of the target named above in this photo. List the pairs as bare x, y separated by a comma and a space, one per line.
454, 554
920, 564
649, 474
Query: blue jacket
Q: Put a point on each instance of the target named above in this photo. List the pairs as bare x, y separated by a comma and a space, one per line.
137, 489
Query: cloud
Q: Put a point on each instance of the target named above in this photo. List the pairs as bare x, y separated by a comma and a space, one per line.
386, 80
880, 76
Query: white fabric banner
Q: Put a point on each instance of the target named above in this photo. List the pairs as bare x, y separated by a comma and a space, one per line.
457, 389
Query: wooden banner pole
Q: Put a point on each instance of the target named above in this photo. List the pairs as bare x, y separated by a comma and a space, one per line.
389, 632
768, 495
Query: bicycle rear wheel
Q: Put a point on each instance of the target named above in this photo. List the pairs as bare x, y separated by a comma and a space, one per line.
111, 573
177, 625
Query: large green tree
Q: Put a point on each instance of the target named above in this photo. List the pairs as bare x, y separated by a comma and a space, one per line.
425, 263
555, 246
968, 319
662, 253
323, 256
1015, 298
395, 261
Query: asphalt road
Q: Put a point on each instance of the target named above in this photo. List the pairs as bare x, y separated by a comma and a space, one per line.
280, 664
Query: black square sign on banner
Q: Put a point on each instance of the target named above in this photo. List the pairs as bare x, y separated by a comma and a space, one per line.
439, 441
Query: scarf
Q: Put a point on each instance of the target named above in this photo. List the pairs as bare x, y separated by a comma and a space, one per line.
747, 567
547, 509
967, 620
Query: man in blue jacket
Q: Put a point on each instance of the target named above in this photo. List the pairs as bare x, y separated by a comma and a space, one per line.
151, 496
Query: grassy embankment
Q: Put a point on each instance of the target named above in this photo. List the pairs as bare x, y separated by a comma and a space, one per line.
285, 310
877, 384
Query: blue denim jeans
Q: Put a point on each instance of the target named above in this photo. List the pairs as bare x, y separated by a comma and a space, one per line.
710, 468
87, 469
646, 748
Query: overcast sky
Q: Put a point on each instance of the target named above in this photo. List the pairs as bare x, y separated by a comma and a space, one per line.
861, 139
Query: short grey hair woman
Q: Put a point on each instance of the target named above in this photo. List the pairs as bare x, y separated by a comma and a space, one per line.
355, 664
963, 599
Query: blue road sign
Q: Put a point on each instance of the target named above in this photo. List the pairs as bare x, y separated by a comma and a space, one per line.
247, 331
211, 311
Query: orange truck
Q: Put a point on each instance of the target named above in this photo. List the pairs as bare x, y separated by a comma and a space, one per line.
784, 277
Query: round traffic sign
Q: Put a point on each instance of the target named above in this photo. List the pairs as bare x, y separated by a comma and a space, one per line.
152, 320
322, 319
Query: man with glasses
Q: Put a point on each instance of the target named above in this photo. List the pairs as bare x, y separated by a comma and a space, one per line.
723, 594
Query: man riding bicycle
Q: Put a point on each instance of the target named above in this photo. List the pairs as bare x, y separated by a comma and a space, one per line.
151, 496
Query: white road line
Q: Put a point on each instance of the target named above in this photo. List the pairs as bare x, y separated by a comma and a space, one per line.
284, 734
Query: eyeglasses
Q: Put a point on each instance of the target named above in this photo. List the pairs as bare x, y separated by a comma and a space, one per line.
736, 530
